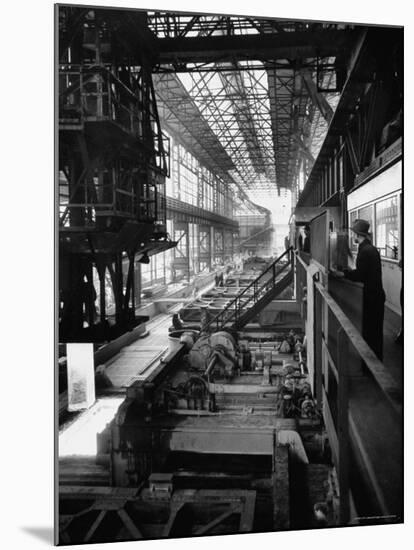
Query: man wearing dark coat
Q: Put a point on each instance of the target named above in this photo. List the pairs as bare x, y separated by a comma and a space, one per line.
368, 272
306, 242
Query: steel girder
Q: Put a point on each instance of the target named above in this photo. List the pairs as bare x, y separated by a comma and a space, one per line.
256, 135
259, 41
300, 116
251, 110
288, 112
235, 106
181, 116
188, 118
237, 127
194, 214
187, 25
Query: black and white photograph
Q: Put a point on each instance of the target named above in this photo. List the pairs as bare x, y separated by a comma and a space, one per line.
230, 250
205, 302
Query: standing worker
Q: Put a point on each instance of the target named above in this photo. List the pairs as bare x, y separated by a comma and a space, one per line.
306, 242
368, 272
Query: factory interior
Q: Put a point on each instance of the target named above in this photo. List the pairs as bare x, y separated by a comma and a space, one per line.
214, 373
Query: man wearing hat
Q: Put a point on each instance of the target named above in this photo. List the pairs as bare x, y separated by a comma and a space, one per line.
368, 272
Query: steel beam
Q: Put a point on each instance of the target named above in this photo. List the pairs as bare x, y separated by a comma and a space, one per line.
317, 98
271, 46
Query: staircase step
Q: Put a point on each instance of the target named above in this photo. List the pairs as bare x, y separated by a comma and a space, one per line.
258, 286
279, 287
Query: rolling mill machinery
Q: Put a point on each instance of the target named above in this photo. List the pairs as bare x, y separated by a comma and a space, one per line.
205, 397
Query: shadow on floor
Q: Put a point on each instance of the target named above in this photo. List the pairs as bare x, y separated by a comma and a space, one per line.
44, 534
393, 352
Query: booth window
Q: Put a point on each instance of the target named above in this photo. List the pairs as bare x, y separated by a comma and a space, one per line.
387, 230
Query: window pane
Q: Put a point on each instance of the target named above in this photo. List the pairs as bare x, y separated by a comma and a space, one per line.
367, 214
352, 244
145, 275
387, 228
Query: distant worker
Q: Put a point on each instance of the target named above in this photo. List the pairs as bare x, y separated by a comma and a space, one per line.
306, 242
89, 296
287, 242
300, 241
368, 272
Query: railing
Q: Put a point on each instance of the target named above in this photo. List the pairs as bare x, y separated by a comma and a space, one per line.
124, 195
93, 93
90, 93
361, 405
254, 292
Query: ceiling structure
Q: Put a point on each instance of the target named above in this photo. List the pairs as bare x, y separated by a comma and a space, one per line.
253, 97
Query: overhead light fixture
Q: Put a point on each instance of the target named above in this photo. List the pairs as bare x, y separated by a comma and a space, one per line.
144, 259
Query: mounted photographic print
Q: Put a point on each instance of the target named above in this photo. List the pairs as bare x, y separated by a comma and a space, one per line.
229, 207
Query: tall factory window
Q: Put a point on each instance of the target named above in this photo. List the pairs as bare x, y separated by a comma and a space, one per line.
159, 268
181, 238
220, 202
187, 174
169, 255
387, 227
146, 274
188, 181
193, 246
210, 192
169, 188
154, 272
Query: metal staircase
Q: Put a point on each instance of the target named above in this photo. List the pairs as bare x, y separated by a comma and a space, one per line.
258, 294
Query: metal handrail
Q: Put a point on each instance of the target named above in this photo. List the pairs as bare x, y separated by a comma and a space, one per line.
258, 291
375, 366
344, 421
235, 311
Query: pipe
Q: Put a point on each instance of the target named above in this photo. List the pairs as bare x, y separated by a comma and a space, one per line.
211, 364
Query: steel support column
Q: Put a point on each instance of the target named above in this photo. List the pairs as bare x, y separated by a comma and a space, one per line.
205, 247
